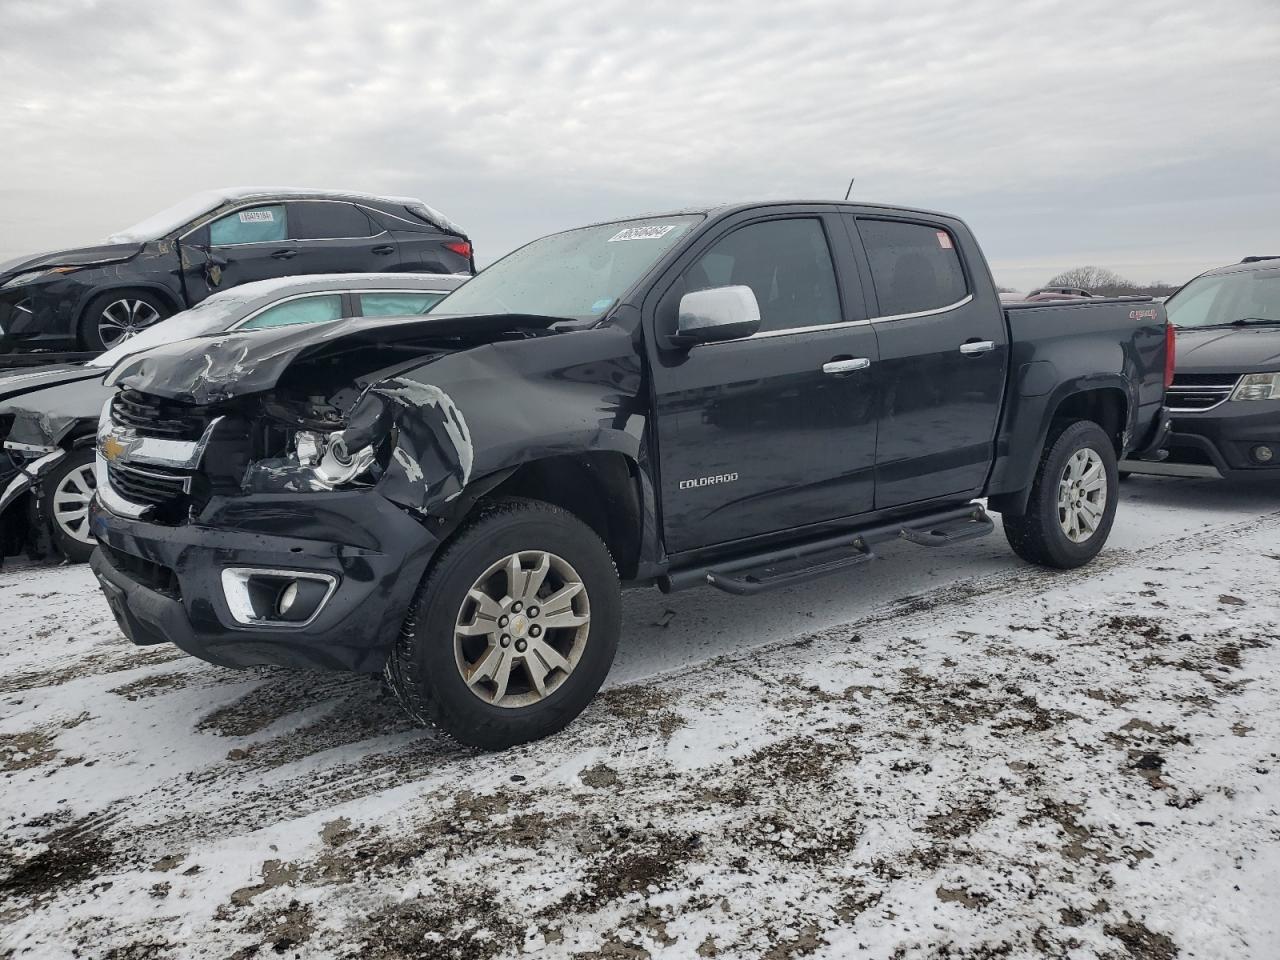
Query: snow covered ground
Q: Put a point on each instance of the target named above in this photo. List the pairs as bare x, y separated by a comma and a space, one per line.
952, 754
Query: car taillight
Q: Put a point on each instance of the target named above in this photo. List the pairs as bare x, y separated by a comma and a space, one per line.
461, 247
1170, 354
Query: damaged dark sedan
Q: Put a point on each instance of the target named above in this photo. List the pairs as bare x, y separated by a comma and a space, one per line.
95, 297
48, 416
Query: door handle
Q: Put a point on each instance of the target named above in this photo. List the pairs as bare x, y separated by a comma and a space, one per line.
284, 254
972, 348
384, 249
845, 365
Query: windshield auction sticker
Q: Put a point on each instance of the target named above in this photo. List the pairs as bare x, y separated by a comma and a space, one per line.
642, 233
258, 216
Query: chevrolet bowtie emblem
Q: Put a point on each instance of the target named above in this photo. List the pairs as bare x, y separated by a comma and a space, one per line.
112, 448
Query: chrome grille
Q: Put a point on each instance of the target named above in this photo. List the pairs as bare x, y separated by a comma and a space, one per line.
1198, 391
153, 486
156, 417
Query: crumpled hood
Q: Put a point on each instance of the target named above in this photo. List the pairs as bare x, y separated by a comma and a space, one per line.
79, 257
1229, 350
44, 417
211, 369
23, 380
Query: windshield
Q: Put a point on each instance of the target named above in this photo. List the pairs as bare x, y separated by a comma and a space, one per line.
1247, 297
577, 275
209, 316
169, 219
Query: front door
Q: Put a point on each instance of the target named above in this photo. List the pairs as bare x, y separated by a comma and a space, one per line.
943, 353
251, 243
776, 430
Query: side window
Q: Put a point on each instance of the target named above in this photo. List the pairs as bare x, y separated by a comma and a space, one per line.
915, 266
329, 220
787, 263
318, 309
254, 225
397, 304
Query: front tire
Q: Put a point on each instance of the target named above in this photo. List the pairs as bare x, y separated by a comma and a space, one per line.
66, 493
114, 317
1073, 500
513, 629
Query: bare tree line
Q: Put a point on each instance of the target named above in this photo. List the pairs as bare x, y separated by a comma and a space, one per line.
1108, 283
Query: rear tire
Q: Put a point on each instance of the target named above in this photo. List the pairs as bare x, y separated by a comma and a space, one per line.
1073, 499
449, 669
113, 317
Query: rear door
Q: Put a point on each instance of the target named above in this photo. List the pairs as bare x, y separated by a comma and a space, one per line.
943, 354
777, 430
334, 236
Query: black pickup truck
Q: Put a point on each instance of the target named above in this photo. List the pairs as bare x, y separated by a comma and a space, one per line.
746, 397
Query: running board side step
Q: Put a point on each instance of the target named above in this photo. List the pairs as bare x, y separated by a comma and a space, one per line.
799, 563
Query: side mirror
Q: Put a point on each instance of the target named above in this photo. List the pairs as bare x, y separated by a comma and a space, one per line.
721, 313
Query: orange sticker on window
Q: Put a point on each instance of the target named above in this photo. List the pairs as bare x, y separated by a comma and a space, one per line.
944, 240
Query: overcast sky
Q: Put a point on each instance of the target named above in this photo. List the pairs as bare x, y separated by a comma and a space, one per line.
1142, 136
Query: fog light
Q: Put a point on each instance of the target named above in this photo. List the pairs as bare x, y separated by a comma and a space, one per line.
1262, 453
287, 598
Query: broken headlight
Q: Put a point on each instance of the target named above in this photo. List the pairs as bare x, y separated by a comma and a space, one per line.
318, 460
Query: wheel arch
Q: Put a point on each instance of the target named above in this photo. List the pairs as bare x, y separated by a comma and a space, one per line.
600, 488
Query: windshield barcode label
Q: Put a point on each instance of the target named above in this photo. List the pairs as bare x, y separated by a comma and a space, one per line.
642, 233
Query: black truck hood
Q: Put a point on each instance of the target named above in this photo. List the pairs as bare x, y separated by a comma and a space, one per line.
23, 380
211, 369
1230, 350
79, 257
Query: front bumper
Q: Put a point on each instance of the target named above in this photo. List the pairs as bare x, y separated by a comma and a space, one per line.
1219, 442
165, 584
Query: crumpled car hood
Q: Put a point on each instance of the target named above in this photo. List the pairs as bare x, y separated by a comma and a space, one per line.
44, 417
23, 380
212, 369
1234, 350
79, 257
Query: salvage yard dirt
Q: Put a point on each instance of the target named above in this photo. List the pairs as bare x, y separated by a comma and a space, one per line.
988, 760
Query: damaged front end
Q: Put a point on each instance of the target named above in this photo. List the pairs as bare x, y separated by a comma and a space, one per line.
251, 493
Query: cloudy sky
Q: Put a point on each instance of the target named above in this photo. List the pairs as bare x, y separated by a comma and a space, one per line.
1142, 136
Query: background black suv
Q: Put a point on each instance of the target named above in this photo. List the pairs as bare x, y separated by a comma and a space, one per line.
1225, 397
95, 297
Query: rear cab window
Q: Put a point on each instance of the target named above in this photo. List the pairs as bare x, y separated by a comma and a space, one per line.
264, 224
915, 266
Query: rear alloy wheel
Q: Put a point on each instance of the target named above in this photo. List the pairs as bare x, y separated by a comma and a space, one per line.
1072, 503
113, 318
67, 492
513, 628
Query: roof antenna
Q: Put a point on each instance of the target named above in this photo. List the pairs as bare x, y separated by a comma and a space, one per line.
850, 190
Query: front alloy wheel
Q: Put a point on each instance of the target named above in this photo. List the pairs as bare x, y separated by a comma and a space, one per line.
522, 629
513, 627
71, 498
123, 319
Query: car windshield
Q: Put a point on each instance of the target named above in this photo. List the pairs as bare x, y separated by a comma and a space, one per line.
1228, 299
169, 219
578, 275
209, 316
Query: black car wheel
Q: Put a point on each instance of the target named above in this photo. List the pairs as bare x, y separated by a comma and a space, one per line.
67, 490
112, 318
1073, 499
513, 628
